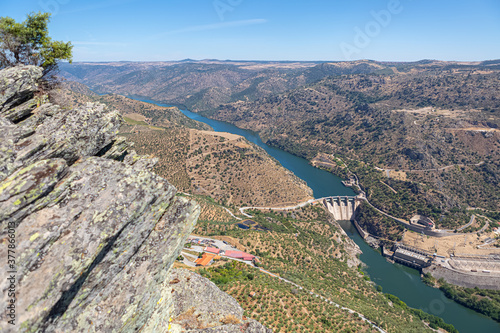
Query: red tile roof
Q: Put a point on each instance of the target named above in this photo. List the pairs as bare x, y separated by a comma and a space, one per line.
239, 255
212, 250
205, 259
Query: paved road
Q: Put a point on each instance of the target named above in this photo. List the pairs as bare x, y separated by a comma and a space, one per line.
486, 225
433, 169
302, 204
472, 219
231, 213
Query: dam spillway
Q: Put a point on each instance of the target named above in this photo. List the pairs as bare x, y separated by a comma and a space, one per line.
343, 208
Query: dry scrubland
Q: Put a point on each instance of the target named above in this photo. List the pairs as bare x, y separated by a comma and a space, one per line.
391, 115
169, 146
424, 116
227, 168
211, 210
459, 244
235, 172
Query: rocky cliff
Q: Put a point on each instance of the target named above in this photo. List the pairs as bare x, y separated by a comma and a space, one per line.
88, 233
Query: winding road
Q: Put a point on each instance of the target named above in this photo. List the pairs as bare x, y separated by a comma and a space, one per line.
434, 169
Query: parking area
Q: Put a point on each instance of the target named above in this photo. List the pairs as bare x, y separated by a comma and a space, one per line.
198, 244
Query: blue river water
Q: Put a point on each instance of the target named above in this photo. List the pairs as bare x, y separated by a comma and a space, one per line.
396, 279
323, 183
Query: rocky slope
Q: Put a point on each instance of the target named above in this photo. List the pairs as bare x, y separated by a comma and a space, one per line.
88, 232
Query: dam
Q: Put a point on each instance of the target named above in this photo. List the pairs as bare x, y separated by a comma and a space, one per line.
343, 208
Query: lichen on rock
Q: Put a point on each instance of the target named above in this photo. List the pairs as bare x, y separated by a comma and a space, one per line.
96, 231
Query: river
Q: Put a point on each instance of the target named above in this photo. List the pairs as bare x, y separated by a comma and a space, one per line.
396, 279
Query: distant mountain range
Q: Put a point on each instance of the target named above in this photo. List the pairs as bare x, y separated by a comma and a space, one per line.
204, 85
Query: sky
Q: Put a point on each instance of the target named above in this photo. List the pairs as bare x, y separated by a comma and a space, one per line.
313, 30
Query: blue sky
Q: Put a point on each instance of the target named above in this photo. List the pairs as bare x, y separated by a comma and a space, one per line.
152, 30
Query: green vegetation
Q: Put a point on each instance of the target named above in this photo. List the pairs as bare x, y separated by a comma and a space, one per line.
378, 224
428, 279
409, 198
229, 272
305, 247
28, 43
483, 301
285, 308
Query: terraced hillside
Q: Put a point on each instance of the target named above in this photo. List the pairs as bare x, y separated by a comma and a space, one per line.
306, 247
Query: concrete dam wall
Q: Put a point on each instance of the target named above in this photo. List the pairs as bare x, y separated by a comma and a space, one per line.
342, 208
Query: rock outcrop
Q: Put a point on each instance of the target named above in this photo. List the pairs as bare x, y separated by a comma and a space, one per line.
199, 306
88, 233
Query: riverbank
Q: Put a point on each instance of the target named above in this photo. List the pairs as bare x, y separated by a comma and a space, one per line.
396, 279
464, 279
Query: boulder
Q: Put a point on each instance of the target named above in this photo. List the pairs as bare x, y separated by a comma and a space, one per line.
17, 85
94, 238
200, 306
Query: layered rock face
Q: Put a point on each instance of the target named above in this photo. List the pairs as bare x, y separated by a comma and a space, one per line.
199, 306
88, 233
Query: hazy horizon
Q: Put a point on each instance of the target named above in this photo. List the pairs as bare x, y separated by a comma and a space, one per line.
291, 61
314, 31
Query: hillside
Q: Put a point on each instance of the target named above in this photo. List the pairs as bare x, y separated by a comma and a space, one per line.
73, 94
197, 85
422, 138
439, 135
306, 247
227, 167
204, 85
433, 123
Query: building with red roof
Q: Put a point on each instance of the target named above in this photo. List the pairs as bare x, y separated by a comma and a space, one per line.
240, 255
205, 259
212, 250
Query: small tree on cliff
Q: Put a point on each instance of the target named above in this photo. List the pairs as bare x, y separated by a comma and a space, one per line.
28, 43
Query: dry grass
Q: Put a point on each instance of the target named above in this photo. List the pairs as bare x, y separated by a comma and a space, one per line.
398, 175
211, 211
135, 116
459, 244
169, 146
234, 172
230, 319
